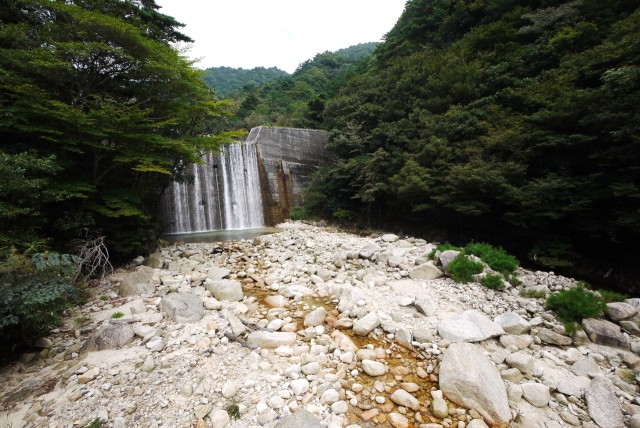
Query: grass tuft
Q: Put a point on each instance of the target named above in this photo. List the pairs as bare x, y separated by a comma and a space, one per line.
462, 269
496, 257
493, 281
574, 305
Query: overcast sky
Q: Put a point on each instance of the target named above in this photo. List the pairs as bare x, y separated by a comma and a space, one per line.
280, 33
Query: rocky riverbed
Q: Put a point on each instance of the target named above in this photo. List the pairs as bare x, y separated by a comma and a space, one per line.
311, 327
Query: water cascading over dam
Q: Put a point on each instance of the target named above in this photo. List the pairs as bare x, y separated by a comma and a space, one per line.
248, 185
225, 193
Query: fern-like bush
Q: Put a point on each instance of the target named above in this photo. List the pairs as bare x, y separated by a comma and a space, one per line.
33, 294
462, 269
493, 281
575, 304
496, 257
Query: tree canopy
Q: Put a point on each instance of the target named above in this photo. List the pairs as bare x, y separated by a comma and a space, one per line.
513, 121
228, 82
299, 100
97, 113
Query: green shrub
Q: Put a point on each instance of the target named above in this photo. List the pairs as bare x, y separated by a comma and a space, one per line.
514, 280
585, 284
462, 269
33, 295
533, 294
443, 247
575, 304
234, 411
344, 214
611, 296
117, 315
496, 257
97, 423
299, 213
493, 281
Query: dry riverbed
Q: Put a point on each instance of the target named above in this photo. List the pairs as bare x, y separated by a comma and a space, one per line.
312, 327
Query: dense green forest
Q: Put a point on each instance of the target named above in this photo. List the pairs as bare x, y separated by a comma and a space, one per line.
97, 113
510, 121
299, 100
228, 81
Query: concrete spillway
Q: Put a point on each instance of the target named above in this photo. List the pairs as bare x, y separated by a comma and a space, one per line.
247, 185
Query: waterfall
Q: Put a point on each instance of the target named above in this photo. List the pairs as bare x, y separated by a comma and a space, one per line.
225, 193
243, 200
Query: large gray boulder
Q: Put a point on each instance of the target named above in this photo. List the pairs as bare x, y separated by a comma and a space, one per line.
536, 393
154, 261
602, 404
426, 306
268, 339
394, 260
406, 399
470, 379
113, 336
584, 366
390, 237
630, 327
606, 333
136, 282
564, 381
216, 273
183, 307
225, 289
426, 271
368, 251
619, 311
237, 326
373, 368
469, 326
447, 257
634, 301
552, 338
513, 323
315, 317
521, 361
300, 419
366, 324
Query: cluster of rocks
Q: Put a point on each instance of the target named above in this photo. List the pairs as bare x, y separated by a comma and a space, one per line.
310, 327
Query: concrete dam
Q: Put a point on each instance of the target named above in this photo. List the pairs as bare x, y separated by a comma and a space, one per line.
249, 184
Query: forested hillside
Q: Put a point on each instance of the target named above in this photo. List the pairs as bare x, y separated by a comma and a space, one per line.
512, 121
299, 100
228, 81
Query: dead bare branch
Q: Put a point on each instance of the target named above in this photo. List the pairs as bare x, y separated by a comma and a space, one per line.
94, 258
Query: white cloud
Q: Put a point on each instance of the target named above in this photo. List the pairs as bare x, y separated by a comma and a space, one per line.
281, 33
